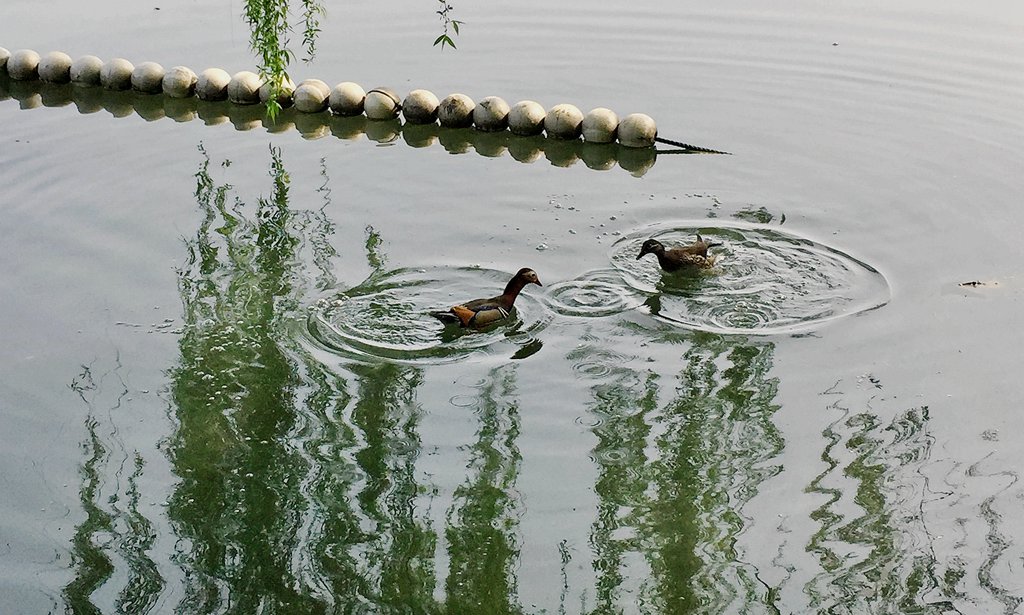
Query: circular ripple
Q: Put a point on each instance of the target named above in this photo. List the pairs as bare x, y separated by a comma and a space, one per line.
595, 363
765, 281
596, 293
387, 317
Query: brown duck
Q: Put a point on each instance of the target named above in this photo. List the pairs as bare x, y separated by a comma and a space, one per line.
482, 312
693, 256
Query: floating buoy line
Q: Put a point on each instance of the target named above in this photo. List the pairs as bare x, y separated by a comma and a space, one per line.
564, 125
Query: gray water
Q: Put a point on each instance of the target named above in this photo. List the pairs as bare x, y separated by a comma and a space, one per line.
219, 391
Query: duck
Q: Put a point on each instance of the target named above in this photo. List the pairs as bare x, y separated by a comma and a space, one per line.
482, 312
694, 256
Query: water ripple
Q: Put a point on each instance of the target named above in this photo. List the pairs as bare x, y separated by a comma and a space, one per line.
765, 281
387, 317
595, 293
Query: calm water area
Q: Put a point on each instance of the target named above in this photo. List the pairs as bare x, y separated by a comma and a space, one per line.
220, 390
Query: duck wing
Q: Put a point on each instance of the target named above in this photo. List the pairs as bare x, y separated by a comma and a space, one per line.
476, 313
679, 258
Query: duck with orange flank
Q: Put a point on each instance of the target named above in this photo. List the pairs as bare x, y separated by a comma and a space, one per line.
482, 312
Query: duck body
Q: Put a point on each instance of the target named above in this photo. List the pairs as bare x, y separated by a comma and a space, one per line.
693, 256
482, 312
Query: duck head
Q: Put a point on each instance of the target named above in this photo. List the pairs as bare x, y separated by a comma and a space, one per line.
519, 280
651, 246
528, 276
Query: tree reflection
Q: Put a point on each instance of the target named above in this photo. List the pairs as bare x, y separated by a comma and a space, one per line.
114, 532
675, 474
881, 559
482, 523
235, 394
301, 491
296, 494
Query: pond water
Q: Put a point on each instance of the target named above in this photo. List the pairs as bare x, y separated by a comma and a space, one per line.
220, 390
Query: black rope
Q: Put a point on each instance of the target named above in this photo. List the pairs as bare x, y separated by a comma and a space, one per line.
692, 148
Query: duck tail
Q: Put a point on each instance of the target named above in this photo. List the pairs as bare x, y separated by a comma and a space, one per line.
446, 317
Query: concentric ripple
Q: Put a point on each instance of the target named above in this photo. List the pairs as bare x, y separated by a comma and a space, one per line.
387, 317
765, 281
596, 293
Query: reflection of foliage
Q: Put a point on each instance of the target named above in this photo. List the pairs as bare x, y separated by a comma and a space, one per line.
677, 504
236, 394
296, 496
716, 449
374, 256
94, 566
397, 551
625, 404
482, 542
110, 528
875, 561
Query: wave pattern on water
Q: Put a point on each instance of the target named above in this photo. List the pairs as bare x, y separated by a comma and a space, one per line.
765, 281
677, 462
112, 544
597, 293
876, 545
387, 317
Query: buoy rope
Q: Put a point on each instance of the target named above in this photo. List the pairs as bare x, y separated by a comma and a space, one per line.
687, 146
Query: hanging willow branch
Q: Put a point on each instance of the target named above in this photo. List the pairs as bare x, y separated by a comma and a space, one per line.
269, 31
268, 23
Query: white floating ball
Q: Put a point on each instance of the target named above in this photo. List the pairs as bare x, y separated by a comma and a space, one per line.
599, 125
213, 84
244, 88
311, 96
86, 70
116, 74
323, 87
491, 114
23, 65
526, 118
55, 67
382, 104
148, 78
285, 95
4, 56
180, 82
637, 130
563, 121
456, 111
347, 99
420, 107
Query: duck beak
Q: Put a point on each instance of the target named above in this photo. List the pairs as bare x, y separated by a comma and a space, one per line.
537, 282
641, 255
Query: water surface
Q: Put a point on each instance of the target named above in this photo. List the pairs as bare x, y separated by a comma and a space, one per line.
220, 392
